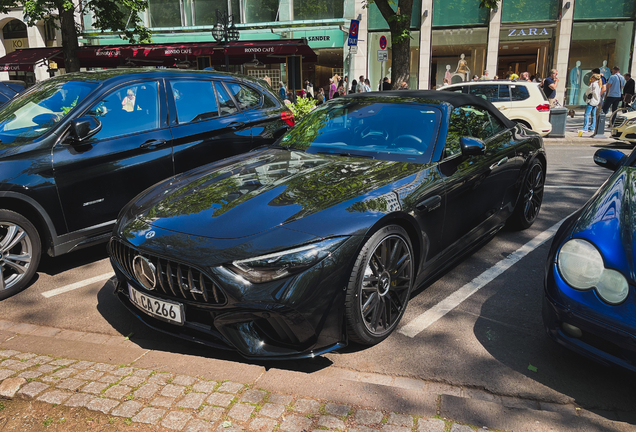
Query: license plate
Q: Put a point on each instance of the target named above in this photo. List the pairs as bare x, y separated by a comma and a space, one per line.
156, 307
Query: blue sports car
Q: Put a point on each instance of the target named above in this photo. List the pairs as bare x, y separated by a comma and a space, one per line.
590, 286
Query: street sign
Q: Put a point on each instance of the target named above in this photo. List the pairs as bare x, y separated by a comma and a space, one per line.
353, 49
383, 42
353, 33
383, 55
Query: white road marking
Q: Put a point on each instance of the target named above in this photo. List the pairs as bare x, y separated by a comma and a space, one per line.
425, 320
572, 187
77, 285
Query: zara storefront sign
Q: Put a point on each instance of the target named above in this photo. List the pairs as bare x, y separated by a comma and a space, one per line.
531, 31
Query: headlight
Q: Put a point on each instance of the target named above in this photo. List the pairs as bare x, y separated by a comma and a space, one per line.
278, 265
581, 266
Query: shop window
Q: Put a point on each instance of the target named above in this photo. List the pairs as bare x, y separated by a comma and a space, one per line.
164, 13
14, 29
593, 9
205, 11
527, 11
195, 100
457, 55
458, 12
318, 9
257, 11
377, 21
598, 44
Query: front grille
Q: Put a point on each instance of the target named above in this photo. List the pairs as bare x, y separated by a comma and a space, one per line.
174, 279
619, 121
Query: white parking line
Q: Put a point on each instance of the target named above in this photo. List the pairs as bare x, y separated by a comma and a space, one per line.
572, 187
77, 285
423, 321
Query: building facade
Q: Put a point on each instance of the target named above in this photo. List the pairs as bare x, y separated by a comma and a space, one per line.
450, 39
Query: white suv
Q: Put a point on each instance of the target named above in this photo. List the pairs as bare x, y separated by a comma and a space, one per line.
520, 101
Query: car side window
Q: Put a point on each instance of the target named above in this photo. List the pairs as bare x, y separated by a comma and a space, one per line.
457, 129
519, 92
504, 93
226, 105
245, 96
489, 92
496, 125
458, 89
195, 100
130, 109
482, 124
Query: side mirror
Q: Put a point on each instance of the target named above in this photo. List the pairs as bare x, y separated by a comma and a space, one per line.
83, 128
610, 159
472, 146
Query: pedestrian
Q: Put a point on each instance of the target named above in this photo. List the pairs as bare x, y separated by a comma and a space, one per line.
309, 88
628, 90
367, 85
281, 90
354, 84
603, 82
549, 87
360, 88
592, 98
475, 77
525, 76
386, 84
320, 96
332, 87
404, 86
346, 84
484, 77
614, 90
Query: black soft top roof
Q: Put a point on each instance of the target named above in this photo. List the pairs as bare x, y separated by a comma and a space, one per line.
453, 98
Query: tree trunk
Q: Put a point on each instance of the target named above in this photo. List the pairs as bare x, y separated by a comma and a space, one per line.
399, 23
69, 39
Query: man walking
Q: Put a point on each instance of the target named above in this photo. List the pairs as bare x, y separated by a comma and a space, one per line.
614, 90
628, 90
360, 87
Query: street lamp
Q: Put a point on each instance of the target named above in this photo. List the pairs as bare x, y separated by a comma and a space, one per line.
225, 31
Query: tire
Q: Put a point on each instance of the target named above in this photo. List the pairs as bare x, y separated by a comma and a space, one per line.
19, 253
530, 199
382, 276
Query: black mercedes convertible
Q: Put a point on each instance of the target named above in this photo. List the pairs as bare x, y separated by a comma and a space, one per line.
298, 248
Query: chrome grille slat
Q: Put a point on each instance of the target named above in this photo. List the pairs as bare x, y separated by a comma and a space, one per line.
619, 121
191, 283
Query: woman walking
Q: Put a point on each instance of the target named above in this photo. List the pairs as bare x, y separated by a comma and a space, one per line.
593, 98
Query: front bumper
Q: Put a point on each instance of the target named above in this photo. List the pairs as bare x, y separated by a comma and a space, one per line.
624, 133
296, 317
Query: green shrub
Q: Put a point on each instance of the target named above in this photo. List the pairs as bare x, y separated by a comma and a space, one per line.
302, 107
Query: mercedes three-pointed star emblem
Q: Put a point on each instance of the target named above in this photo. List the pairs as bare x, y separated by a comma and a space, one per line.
145, 272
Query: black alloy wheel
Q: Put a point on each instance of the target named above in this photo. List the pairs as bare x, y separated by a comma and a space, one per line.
531, 197
19, 253
380, 286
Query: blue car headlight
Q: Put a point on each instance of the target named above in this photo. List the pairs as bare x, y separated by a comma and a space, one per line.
582, 267
278, 265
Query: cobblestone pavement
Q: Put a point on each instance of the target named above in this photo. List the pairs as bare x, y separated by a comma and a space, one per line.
187, 403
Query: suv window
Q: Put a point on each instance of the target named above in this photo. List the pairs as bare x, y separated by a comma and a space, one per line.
129, 109
504, 93
458, 89
226, 105
195, 100
488, 92
245, 96
519, 92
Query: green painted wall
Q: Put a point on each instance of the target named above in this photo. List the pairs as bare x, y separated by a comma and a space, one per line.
458, 13
588, 9
530, 10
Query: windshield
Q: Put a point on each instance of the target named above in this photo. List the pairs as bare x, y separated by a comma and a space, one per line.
33, 113
377, 128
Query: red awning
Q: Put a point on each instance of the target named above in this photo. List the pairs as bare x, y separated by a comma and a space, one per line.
273, 51
25, 59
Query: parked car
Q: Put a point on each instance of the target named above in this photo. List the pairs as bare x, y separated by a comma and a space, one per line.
76, 148
296, 249
522, 102
8, 90
590, 294
624, 126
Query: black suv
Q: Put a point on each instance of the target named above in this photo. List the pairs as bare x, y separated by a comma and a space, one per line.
74, 149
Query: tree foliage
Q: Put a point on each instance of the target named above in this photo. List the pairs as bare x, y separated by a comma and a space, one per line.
120, 16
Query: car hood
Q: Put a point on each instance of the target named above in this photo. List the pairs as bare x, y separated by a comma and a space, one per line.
609, 220
271, 188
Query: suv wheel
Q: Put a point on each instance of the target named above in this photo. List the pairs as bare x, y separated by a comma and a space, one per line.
19, 252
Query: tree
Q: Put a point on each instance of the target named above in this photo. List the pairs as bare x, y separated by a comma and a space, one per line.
399, 22
120, 16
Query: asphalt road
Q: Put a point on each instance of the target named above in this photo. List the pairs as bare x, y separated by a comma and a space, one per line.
486, 341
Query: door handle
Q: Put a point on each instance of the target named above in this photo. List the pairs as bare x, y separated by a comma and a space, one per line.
154, 143
429, 204
500, 163
236, 125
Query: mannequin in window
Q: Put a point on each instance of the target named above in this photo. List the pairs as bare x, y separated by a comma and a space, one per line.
462, 68
575, 83
605, 71
447, 75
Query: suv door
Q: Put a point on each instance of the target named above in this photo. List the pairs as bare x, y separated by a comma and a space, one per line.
497, 94
262, 111
206, 124
132, 151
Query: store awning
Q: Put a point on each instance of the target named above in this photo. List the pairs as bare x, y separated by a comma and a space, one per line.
273, 51
25, 59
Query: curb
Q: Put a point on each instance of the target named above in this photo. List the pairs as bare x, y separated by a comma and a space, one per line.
116, 376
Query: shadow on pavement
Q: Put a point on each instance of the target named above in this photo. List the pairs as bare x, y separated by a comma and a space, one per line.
56, 265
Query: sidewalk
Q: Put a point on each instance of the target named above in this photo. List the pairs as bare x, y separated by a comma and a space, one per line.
118, 379
574, 125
